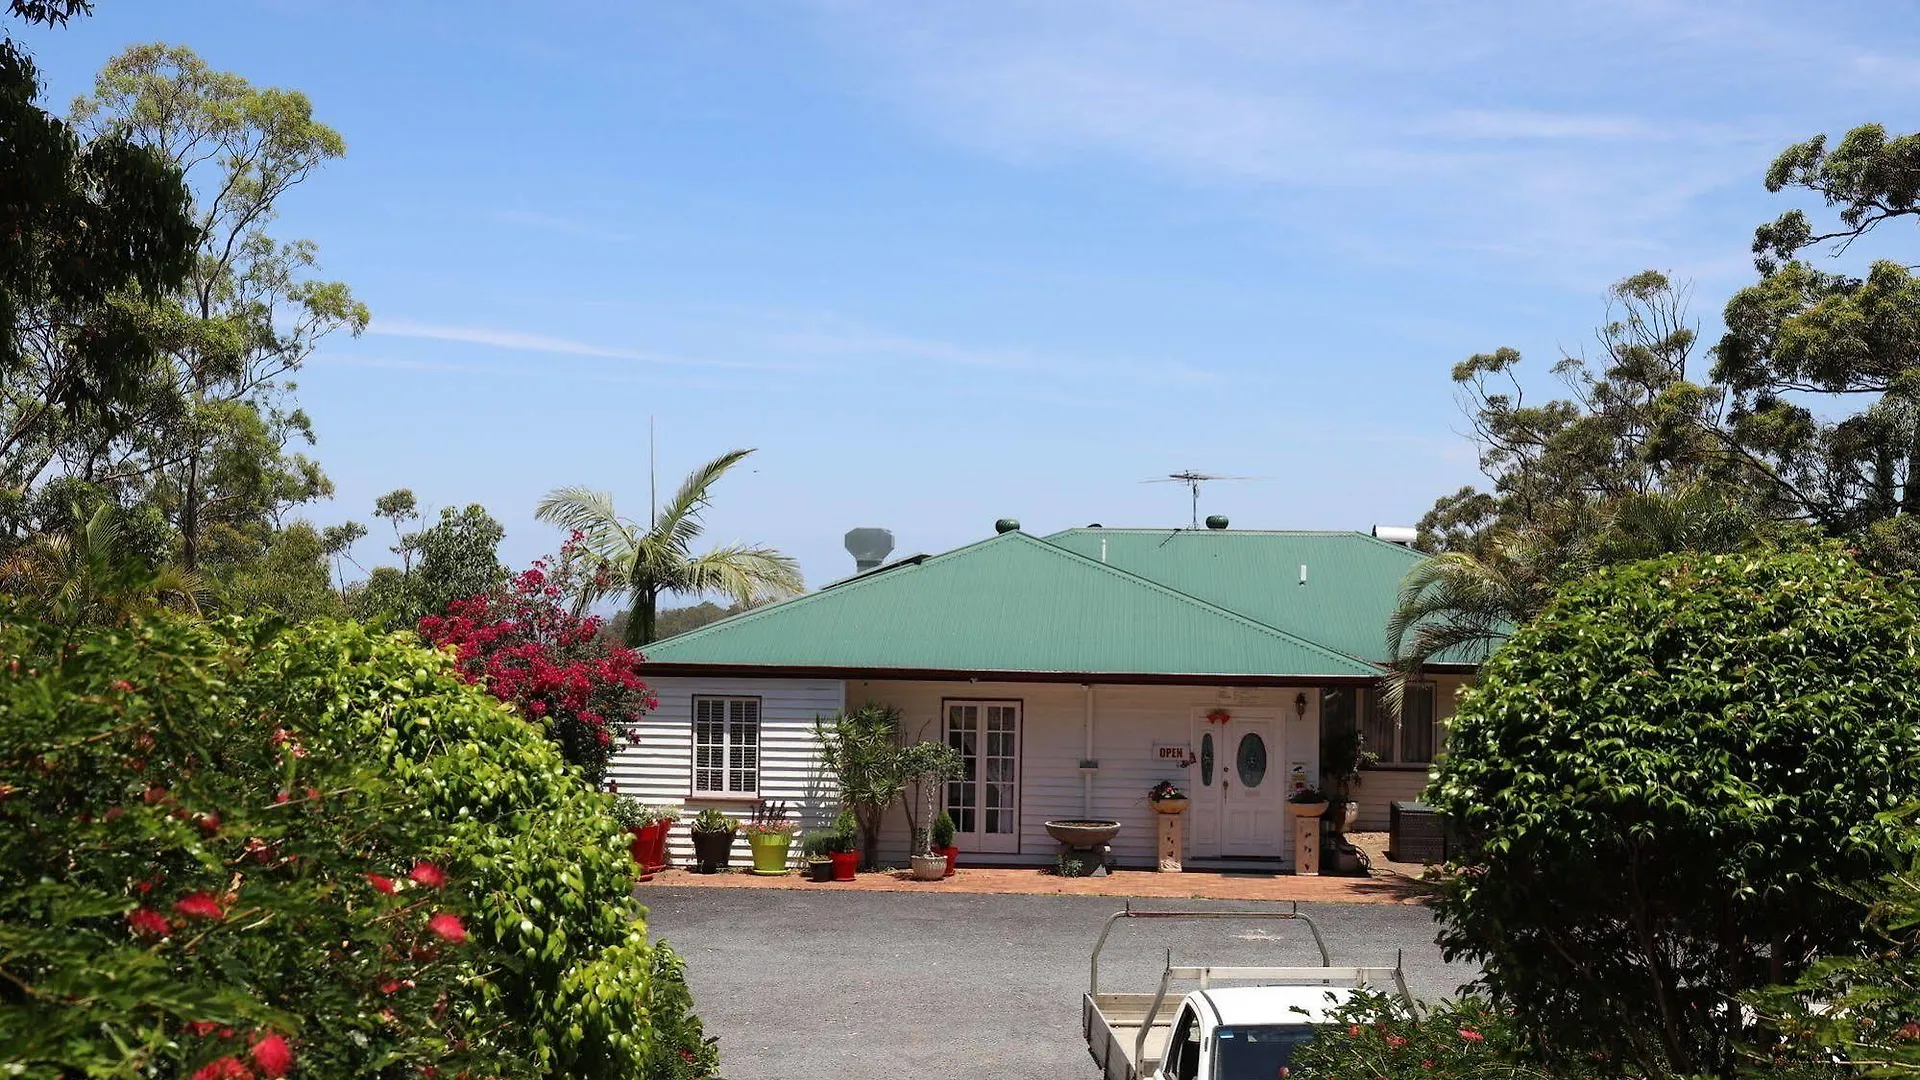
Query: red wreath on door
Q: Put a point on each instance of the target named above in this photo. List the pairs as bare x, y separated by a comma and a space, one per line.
1219, 716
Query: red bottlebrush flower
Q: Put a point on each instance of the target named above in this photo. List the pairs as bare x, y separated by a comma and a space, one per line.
1471, 1035
313, 794
448, 927
210, 823
202, 1028
148, 923
1353, 1031
428, 874
380, 883
199, 905
391, 986
154, 795
272, 1055
1396, 1041
223, 1068
1909, 1031
281, 798
123, 686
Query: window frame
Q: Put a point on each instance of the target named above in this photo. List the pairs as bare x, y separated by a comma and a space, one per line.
1390, 758
726, 746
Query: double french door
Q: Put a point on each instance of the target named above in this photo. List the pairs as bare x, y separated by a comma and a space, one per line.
984, 801
1239, 796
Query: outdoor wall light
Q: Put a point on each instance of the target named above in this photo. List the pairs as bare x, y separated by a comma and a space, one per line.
1300, 704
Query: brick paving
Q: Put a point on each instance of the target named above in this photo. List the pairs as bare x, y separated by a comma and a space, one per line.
1382, 888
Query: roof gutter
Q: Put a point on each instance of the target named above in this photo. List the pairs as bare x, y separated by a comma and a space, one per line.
1129, 678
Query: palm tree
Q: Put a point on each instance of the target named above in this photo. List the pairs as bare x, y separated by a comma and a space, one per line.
639, 562
1463, 605
89, 577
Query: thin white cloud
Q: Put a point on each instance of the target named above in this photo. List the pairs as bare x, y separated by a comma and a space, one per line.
1584, 139
860, 343
542, 343
515, 371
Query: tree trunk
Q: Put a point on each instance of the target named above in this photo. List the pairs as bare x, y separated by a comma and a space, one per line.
869, 834
190, 515
641, 620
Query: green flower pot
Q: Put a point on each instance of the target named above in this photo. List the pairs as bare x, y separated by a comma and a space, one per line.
770, 852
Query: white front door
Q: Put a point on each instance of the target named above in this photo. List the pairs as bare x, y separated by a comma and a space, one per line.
1237, 787
985, 801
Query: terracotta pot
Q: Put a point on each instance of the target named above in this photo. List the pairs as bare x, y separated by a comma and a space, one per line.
929, 867
844, 863
1307, 809
1171, 806
952, 854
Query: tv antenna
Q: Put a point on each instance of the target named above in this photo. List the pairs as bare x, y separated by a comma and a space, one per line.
1193, 479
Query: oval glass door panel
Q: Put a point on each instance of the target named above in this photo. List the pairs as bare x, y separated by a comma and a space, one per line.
1206, 759
1251, 759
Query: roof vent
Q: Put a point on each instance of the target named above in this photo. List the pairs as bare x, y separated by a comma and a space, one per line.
1216, 522
1403, 535
1006, 525
869, 547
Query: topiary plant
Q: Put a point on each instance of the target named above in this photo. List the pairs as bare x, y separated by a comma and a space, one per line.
943, 831
1661, 781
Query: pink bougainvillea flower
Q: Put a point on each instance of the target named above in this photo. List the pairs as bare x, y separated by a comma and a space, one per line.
199, 905
380, 883
148, 922
272, 1055
448, 927
428, 874
223, 1068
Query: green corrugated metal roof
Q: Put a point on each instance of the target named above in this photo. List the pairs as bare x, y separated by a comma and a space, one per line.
1009, 604
1353, 580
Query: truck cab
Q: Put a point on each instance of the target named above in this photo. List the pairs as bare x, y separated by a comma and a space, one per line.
1244, 1032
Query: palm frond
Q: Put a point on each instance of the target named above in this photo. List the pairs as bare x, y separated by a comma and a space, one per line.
745, 574
679, 517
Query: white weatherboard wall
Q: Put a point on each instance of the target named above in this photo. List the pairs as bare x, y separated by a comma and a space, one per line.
1128, 721
660, 768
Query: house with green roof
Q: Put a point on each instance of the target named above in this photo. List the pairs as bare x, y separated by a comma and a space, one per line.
1073, 672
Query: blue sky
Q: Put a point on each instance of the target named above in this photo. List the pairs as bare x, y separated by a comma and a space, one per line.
947, 262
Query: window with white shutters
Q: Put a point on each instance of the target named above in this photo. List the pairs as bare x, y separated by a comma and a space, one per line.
726, 746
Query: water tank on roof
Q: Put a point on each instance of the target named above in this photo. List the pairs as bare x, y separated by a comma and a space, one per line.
1404, 535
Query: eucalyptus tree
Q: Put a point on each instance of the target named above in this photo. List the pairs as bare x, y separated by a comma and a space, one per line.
217, 439
639, 561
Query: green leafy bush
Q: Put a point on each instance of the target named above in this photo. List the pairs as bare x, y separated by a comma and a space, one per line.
1658, 780
288, 780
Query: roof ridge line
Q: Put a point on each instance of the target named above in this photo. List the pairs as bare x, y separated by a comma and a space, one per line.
841, 587
1195, 601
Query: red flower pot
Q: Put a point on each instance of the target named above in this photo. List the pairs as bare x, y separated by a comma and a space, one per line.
649, 848
952, 853
844, 864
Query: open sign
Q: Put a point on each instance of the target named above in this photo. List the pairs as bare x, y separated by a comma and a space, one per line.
1172, 753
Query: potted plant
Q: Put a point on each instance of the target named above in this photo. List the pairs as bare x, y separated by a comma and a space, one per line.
1307, 802
943, 841
713, 834
769, 834
843, 850
814, 844
861, 748
648, 825
1167, 798
927, 766
1343, 756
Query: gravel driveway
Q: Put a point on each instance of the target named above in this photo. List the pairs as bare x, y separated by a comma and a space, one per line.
880, 986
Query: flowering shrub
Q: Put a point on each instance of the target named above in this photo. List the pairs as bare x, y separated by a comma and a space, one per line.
193, 883
230, 851
527, 648
1376, 1036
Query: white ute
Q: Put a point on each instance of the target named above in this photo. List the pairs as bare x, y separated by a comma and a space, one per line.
1218, 1032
